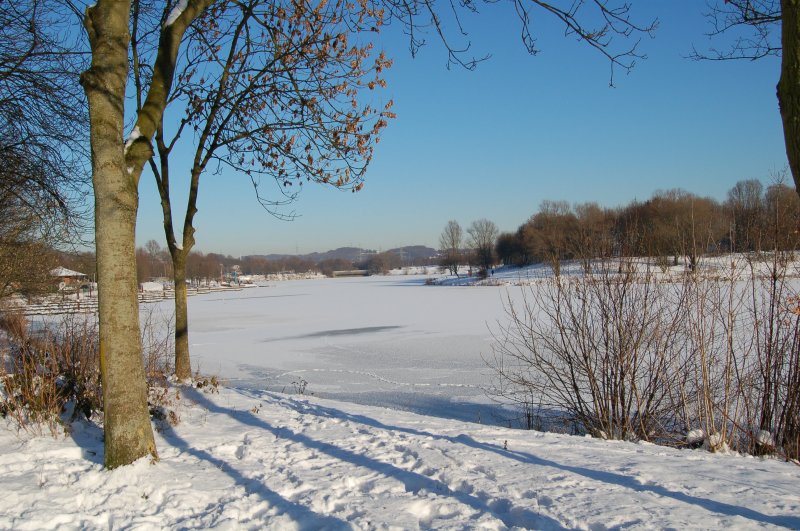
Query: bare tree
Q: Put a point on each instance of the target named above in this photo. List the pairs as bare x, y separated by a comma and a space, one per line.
606, 27
382, 263
782, 217
42, 114
745, 205
272, 92
25, 258
42, 108
683, 224
482, 236
116, 168
450, 244
509, 249
593, 233
752, 25
549, 234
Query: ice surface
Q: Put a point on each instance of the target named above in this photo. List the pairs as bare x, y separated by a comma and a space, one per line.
379, 340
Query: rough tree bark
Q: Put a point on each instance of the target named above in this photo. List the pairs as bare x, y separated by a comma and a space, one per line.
183, 369
178, 253
128, 433
789, 84
116, 169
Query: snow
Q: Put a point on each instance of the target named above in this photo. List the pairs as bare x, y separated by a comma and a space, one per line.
738, 265
244, 459
131, 139
176, 12
250, 457
765, 438
151, 286
695, 436
64, 272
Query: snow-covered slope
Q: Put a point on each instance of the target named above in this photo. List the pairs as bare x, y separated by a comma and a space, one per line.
251, 460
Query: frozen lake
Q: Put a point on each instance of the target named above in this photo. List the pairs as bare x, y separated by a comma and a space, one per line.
385, 340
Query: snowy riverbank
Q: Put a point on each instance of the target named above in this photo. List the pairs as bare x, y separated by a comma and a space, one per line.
252, 460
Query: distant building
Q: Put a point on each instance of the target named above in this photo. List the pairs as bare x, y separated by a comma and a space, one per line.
352, 273
68, 279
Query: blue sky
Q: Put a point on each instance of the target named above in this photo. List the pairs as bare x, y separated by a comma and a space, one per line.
497, 141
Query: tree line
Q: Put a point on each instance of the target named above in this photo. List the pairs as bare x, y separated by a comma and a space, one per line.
673, 226
154, 262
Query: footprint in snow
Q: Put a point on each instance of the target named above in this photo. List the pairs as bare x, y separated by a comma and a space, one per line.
480, 469
241, 452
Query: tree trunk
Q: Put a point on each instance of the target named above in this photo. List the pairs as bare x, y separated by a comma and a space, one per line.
789, 84
128, 432
183, 369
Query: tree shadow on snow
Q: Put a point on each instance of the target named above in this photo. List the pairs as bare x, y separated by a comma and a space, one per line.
789, 521
88, 436
446, 407
302, 515
413, 482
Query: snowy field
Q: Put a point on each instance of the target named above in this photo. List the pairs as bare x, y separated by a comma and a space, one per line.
435, 456
256, 460
389, 341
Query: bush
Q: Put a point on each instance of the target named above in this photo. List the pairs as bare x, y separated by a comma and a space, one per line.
52, 377
592, 352
48, 374
711, 361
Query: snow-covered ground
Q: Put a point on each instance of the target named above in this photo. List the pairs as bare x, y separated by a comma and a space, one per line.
254, 460
739, 265
251, 458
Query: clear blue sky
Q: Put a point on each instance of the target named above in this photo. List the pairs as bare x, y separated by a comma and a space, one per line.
497, 141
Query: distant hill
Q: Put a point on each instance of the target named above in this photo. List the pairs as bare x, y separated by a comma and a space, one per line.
351, 254
415, 252
408, 253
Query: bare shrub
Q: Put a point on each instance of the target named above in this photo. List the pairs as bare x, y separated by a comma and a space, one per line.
743, 372
593, 348
76, 351
711, 360
209, 384
51, 373
773, 415
52, 377
157, 330
13, 323
706, 379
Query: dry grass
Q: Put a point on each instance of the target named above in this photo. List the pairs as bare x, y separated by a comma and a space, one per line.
52, 377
